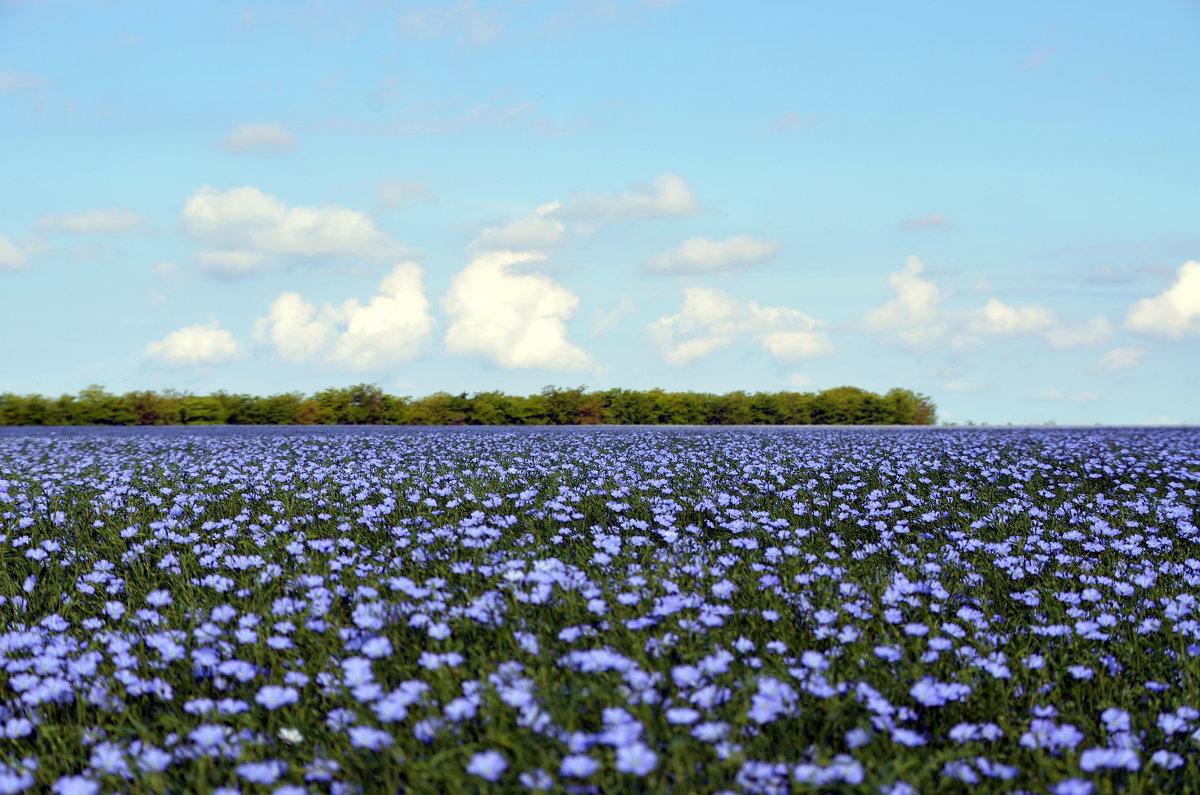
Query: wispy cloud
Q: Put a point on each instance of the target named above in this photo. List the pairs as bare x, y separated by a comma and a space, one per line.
111, 221
936, 221
259, 138
1118, 359
704, 255
666, 196
792, 121
1038, 58
19, 81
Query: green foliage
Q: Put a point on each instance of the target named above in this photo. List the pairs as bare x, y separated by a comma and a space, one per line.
368, 404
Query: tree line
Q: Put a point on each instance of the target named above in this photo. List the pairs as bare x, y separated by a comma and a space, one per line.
367, 404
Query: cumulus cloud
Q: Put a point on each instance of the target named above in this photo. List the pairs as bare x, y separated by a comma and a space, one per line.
392, 327
17, 81
667, 196
1119, 359
931, 221
914, 309
111, 221
195, 346
997, 317
709, 319
295, 328
1175, 312
258, 139
517, 321
917, 320
246, 230
703, 255
539, 230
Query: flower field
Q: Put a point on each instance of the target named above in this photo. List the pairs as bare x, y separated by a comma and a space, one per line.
599, 610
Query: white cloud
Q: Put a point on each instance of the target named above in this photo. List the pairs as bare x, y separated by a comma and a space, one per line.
1090, 333
195, 346
394, 193
1175, 312
668, 196
245, 229
538, 230
16, 253
710, 319
931, 221
515, 320
963, 386
258, 139
12, 256
919, 323
110, 221
999, 318
392, 327
1119, 359
702, 255
915, 305
16, 81
232, 262
295, 329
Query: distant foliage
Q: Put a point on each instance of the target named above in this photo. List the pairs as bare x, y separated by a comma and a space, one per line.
367, 404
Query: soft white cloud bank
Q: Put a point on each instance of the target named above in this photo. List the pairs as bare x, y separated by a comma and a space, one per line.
516, 321
709, 319
667, 196
917, 321
258, 139
1175, 312
703, 255
392, 327
195, 346
246, 230
111, 221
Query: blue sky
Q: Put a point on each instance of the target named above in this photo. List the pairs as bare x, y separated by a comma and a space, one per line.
994, 206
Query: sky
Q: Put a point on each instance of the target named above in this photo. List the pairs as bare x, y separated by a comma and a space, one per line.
991, 204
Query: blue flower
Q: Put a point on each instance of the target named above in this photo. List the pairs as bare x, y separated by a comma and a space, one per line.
578, 766
488, 765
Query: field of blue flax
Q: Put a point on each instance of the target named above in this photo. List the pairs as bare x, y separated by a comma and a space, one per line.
599, 610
